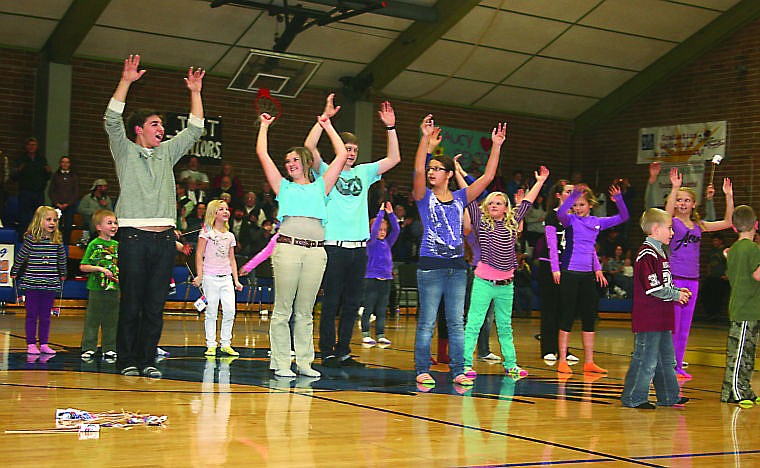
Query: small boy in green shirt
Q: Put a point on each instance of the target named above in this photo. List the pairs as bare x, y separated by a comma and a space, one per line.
101, 261
743, 268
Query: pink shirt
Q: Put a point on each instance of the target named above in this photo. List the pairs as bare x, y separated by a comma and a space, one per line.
216, 257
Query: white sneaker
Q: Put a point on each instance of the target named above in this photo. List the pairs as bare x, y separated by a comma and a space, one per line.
367, 340
384, 341
490, 357
308, 372
161, 352
570, 357
684, 364
550, 357
286, 372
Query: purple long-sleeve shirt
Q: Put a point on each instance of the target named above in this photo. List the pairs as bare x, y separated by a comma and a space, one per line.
581, 233
379, 259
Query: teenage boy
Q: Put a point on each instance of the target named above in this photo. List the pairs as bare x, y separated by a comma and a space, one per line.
147, 213
653, 318
346, 235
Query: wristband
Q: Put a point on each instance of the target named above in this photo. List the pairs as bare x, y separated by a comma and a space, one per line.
390, 127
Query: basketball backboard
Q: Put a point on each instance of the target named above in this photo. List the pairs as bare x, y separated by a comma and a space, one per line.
284, 75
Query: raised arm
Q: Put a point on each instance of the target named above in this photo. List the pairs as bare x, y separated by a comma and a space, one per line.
394, 154
498, 135
541, 175
725, 223
418, 178
262, 151
675, 179
194, 83
653, 194
395, 230
459, 173
336, 166
129, 75
312, 139
562, 211
622, 215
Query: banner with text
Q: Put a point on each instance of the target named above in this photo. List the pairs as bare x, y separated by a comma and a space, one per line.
209, 147
474, 147
682, 143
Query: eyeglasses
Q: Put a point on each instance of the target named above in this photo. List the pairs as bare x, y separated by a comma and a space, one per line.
436, 169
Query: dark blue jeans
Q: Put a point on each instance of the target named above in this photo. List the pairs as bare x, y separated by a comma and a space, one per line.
653, 360
145, 267
342, 287
375, 302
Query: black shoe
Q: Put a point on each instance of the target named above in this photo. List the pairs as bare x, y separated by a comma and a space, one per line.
350, 362
645, 405
331, 362
682, 401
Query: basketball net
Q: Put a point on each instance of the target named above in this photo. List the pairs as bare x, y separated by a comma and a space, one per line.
265, 103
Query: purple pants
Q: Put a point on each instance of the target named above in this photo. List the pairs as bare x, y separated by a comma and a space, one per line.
684, 314
38, 305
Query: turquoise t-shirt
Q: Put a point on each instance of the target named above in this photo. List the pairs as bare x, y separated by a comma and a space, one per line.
347, 215
302, 200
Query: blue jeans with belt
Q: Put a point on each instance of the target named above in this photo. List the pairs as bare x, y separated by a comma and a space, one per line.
433, 285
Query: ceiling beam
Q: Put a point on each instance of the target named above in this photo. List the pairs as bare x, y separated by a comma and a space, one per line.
73, 28
682, 55
410, 44
394, 9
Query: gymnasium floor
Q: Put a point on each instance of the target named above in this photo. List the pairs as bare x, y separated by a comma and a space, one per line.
233, 412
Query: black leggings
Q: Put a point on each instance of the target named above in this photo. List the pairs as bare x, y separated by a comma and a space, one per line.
579, 297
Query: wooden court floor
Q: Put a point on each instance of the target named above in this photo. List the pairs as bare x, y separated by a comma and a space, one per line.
233, 412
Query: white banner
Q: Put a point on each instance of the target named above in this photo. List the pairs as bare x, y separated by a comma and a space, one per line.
682, 143
693, 177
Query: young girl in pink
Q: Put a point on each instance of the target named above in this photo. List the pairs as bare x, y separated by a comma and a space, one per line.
217, 272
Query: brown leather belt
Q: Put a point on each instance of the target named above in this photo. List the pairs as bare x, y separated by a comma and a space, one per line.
300, 242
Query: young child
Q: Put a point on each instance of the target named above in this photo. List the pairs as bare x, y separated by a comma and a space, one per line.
40, 266
580, 266
652, 318
217, 272
379, 274
101, 261
743, 309
495, 224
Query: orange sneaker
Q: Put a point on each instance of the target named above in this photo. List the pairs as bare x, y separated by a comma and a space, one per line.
564, 368
591, 367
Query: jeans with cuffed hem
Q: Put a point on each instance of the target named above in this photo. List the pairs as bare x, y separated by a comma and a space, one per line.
653, 360
433, 285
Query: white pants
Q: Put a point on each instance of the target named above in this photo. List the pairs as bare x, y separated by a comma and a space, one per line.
219, 289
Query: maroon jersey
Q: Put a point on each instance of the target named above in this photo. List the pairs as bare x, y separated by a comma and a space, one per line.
651, 273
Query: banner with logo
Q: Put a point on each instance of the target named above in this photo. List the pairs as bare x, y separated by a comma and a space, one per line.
209, 147
682, 143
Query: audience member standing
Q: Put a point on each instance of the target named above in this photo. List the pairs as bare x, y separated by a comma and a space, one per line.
97, 199
32, 173
64, 193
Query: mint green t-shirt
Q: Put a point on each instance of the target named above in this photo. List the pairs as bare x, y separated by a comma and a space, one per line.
105, 254
743, 259
347, 215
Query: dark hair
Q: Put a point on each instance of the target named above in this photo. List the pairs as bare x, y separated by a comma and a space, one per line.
447, 162
557, 189
137, 119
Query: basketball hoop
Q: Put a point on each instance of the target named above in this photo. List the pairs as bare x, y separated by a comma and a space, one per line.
265, 103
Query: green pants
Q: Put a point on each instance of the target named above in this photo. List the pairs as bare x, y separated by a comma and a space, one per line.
483, 293
102, 312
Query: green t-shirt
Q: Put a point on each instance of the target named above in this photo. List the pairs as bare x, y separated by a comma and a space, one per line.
743, 260
105, 254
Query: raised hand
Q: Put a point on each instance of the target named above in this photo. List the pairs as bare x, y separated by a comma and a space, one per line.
499, 134
614, 192
386, 114
388, 207
130, 74
519, 196
728, 187
710, 192
427, 126
266, 119
330, 109
194, 79
542, 174
435, 139
655, 168
675, 178
324, 121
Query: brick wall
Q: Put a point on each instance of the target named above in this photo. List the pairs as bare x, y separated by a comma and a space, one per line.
16, 99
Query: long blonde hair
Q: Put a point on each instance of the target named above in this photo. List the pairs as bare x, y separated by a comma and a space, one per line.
694, 213
509, 217
36, 230
210, 220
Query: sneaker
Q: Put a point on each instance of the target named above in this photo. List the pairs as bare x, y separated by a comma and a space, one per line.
463, 380
684, 364
490, 357
350, 362
591, 367
745, 403
517, 371
286, 372
109, 355
87, 354
470, 372
228, 351
425, 388
564, 368
572, 358
162, 352
32, 349
425, 379
331, 362
151, 372
645, 405
210, 351
383, 341
130, 371
551, 357
45, 349
367, 340
682, 374
308, 371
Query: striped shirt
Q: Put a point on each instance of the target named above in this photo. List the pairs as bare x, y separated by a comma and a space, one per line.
497, 247
39, 265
